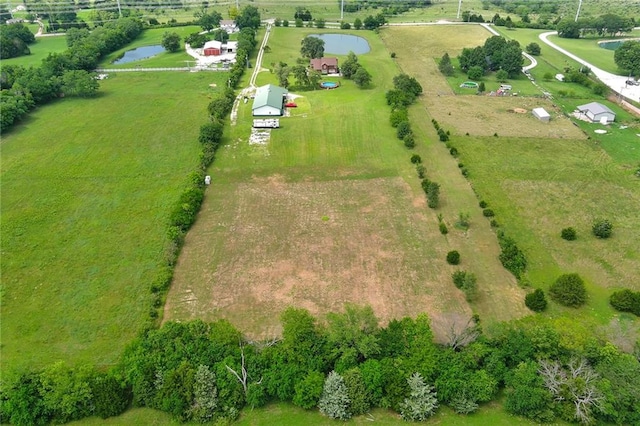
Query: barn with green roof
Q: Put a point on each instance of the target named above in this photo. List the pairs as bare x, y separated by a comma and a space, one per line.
269, 100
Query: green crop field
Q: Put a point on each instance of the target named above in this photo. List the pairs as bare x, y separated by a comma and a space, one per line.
87, 186
330, 210
539, 183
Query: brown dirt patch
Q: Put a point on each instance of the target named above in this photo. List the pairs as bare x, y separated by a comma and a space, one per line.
314, 245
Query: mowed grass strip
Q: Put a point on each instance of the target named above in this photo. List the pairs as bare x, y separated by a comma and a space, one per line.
87, 186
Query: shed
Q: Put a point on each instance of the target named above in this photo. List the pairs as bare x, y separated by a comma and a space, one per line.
269, 100
229, 25
597, 113
212, 48
232, 46
541, 114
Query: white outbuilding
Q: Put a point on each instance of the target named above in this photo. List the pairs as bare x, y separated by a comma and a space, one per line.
597, 113
269, 100
541, 114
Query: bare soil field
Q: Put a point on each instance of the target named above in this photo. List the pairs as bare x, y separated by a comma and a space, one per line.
314, 245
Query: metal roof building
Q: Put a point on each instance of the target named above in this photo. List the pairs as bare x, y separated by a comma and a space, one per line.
269, 100
597, 112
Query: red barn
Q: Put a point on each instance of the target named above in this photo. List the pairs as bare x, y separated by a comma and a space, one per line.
212, 48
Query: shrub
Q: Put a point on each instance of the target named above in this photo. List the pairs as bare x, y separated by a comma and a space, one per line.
568, 234
409, 140
443, 228
416, 159
494, 223
345, 26
334, 401
463, 221
483, 204
453, 151
488, 213
453, 257
547, 76
602, 228
398, 115
421, 170
569, 290
511, 257
467, 282
502, 76
481, 87
626, 301
475, 73
393, 55
403, 129
533, 49
536, 301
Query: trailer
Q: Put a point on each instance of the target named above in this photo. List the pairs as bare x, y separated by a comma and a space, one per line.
267, 123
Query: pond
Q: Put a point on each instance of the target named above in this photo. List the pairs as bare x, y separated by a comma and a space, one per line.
341, 44
613, 44
139, 53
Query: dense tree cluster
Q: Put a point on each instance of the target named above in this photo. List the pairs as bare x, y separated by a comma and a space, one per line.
348, 364
67, 73
511, 257
496, 54
627, 57
14, 40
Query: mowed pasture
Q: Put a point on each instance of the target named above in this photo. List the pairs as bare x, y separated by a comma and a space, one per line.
538, 185
87, 187
39, 51
330, 211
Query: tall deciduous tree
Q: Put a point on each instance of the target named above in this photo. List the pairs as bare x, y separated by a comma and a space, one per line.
627, 57
249, 17
362, 78
171, 41
312, 47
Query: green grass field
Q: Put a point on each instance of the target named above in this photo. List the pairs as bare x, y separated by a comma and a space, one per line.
539, 184
87, 186
39, 50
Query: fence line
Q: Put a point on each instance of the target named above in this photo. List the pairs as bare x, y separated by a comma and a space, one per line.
158, 69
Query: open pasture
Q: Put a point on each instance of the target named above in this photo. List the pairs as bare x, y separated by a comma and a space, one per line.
39, 50
329, 211
87, 185
539, 184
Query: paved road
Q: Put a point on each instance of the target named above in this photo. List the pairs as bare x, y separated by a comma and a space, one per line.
617, 83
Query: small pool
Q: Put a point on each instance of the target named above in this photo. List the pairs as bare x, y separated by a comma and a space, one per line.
341, 44
139, 53
329, 84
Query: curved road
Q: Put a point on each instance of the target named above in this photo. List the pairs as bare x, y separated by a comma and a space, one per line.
617, 83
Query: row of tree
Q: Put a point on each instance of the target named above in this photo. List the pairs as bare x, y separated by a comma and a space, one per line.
62, 74
346, 365
603, 25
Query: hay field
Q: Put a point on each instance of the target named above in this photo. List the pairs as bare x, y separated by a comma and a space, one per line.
330, 210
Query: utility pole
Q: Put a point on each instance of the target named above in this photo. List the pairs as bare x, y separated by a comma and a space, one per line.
342, 10
578, 12
119, 10
459, 6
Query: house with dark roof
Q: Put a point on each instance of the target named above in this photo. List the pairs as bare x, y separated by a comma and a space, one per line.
597, 113
269, 100
325, 65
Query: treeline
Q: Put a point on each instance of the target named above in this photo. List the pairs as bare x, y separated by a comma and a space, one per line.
389, 7
68, 73
345, 366
14, 40
605, 25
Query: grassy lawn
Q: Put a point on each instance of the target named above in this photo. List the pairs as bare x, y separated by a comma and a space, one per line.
329, 211
589, 50
289, 415
539, 183
87, 185
39, 50
154, 37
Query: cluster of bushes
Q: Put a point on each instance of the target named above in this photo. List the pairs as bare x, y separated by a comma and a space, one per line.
467, 282
626, 301
442, 134
511, 257
569, 290
607, 24
536, 301
14, 40
353, 70
67, 73
497, 54
432, 191
207, 372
